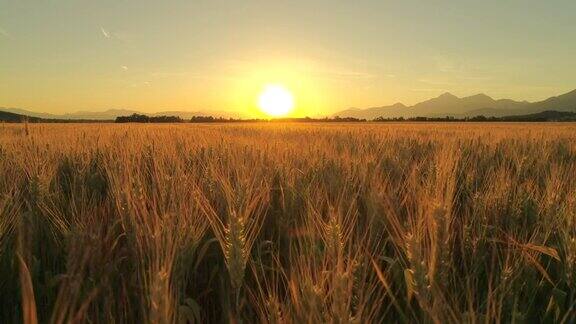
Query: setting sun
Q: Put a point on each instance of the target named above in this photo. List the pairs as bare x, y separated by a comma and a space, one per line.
276, 101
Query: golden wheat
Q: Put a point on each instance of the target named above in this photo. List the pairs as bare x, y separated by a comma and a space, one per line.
340, 223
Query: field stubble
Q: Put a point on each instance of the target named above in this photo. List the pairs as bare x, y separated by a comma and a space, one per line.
282, 223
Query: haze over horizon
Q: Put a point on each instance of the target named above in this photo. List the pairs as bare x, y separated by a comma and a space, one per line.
63, 56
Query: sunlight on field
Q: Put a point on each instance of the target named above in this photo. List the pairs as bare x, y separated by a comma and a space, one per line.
286, 223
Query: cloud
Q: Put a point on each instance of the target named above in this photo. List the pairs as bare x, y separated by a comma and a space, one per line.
116, 35
105, 33
476, 78
4, 33
436, 82
448, 64
168, 74
339, 73
124, 67
141, 84
427, 89
121, 36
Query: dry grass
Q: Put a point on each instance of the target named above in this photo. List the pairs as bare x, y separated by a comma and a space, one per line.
287, 223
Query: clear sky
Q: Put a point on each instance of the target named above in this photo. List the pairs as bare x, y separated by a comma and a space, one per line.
68, 55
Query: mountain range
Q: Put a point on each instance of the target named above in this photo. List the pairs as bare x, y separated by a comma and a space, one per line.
449, 105
442, 106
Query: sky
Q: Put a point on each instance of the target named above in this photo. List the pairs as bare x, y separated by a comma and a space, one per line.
68, 55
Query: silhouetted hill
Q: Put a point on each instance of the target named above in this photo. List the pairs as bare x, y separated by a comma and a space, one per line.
15, 118
397, 109
112, 114
565, 102
549, 115
448, 104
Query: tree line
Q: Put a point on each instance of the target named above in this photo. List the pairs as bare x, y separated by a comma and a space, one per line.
138, 118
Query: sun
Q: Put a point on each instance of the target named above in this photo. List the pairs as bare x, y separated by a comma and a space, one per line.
275, 100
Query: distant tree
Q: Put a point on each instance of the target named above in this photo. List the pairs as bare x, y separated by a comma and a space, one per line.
478, 118
138, 118
134, 118
203, 119
165, 119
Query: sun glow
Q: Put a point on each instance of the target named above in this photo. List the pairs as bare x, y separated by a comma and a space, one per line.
275, 100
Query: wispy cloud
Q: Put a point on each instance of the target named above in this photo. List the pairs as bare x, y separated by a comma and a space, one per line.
449, 64
105, 33
427, 89
436, 82
115, 35
313, 66
4, 33
168, 74
141, 84
341, 73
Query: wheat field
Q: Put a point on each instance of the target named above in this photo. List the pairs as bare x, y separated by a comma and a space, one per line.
288, 223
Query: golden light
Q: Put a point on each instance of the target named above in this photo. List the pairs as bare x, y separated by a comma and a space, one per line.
275, 100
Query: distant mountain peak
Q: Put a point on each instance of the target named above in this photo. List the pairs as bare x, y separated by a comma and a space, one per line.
571, 94
399, 105
481, 95
447, 95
